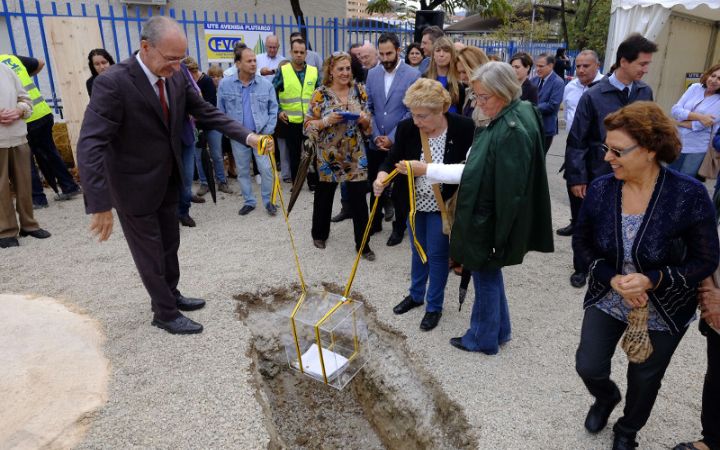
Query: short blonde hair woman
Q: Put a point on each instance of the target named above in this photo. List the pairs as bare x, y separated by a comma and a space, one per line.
448, 135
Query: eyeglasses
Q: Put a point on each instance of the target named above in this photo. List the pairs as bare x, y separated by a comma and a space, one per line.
173, 59
422, 116
619, 152
482, 97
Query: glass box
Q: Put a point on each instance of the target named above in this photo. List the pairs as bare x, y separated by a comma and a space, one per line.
327, 337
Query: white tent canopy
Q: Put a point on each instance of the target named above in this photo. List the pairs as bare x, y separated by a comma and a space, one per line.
648, 17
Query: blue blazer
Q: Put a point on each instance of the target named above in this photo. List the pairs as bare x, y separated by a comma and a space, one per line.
388, 111
549, 99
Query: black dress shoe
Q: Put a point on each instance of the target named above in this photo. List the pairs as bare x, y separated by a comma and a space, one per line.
566, 231
37, 234
342, 215
187, 221
189, 303
368, 254
179, 325
457, 343
430, 320
624, 442
389, 211
319, 243
9, 242
245, 209
577, 279
597, 416
395, 238
406, 305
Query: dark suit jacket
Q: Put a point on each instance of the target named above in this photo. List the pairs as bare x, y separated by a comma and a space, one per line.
549, 99
408, 146
126, 152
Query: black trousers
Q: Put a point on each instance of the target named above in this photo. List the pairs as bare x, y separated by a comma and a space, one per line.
322, 210
401, 203
710, 416
548, 143
599, 337
154, 240
294, 139
375, 158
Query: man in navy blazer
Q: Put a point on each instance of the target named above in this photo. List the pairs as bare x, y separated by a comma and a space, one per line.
129, 155
386, 86
550, 94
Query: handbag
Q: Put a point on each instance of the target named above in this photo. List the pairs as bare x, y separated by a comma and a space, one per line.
447, 207
710, 165
636, 340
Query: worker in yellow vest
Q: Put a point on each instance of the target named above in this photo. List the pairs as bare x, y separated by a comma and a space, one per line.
294, 84
39, 127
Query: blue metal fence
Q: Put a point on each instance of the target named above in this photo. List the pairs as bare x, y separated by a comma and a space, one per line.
120, 32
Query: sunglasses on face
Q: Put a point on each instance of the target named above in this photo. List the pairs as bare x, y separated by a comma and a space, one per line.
619, 152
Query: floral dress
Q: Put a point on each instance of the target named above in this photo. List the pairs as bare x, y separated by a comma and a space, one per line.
341, 147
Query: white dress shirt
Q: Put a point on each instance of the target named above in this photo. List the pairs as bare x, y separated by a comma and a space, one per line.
389, 77
152, 78
263, 60
573, 91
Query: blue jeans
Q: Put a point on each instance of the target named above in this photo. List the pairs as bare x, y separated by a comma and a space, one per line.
188, 168
688, 163
243, 161
214, 139
490, 317
42, 145
428, 227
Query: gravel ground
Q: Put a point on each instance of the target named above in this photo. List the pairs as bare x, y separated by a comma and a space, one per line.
195, 392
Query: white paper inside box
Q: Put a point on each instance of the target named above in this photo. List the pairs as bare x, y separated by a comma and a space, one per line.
342, 348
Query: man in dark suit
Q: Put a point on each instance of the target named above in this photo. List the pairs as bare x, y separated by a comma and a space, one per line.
550, 94
129, 156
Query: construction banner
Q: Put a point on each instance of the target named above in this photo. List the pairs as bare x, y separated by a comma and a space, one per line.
220, 38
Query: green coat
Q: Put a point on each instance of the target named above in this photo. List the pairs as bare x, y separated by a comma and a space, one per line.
503, 204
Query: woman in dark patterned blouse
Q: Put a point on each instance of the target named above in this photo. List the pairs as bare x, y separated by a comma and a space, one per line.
646, 236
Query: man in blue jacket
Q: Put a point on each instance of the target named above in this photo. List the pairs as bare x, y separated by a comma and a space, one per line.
386, 86
550, 94
250, 99
584, 156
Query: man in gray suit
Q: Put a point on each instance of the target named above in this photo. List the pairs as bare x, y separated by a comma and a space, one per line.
386, 86
129, 156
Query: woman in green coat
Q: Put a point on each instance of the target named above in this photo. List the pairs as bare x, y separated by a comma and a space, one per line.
503, 205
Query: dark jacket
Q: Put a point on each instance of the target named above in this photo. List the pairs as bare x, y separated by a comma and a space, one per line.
549, 99
529, 92
503, 206
584, 158
408, 146
676, 245
126, 151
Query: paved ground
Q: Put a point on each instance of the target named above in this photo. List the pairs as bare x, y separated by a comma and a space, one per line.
193, 392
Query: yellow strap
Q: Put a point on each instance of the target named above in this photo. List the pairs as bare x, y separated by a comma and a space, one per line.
277, 192
411, 216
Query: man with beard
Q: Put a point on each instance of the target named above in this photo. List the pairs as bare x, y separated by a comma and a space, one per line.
386, 87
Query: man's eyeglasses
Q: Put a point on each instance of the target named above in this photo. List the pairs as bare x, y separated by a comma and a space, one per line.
619, 152
173, 59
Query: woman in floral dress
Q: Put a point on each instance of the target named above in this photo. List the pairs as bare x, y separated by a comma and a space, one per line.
338, 122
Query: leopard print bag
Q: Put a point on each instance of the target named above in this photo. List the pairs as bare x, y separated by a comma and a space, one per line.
636, 340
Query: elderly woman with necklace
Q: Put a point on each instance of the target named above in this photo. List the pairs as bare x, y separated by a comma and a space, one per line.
338, 121
646, 236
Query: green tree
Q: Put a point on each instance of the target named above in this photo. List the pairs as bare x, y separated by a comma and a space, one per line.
494, 8
589, 28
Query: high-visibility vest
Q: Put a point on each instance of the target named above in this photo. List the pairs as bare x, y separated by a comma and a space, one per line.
294, 98
40, 107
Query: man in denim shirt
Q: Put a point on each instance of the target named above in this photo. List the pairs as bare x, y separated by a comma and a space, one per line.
250, 99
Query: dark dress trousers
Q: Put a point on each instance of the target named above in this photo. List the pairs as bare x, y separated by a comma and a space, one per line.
129, 158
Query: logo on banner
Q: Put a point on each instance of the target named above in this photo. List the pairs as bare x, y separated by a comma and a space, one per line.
220, 39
